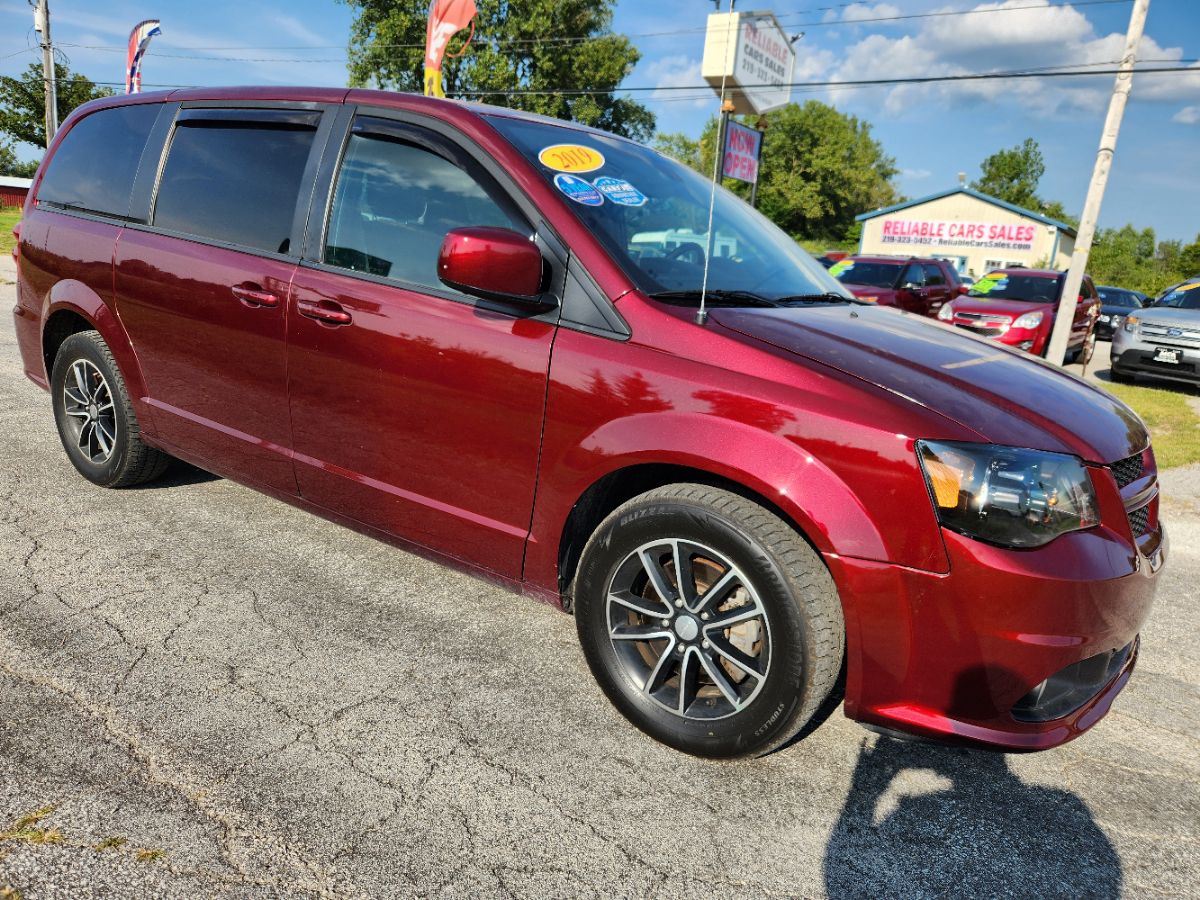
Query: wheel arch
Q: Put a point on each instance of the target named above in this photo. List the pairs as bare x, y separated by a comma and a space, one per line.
764, 467
71, 306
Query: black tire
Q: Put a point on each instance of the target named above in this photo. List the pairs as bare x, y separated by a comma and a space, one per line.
120, 459
801, 626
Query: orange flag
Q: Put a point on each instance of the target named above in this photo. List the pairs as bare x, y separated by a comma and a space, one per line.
446, 19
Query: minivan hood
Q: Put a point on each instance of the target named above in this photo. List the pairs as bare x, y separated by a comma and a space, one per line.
1005, 396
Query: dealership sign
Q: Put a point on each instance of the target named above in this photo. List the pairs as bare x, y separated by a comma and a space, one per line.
742, 148
750, 56
940, 233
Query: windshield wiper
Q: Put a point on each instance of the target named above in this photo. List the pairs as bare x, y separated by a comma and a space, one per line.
826, 297
718, 297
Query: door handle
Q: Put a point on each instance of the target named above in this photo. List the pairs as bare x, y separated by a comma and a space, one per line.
253, 295
325, 311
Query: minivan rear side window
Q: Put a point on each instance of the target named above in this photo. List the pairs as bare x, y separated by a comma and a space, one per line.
235, 181
93, 168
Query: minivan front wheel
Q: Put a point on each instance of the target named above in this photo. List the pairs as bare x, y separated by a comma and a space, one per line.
708, 621
95, 419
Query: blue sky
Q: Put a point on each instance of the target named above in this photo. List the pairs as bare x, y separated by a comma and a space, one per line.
933, 131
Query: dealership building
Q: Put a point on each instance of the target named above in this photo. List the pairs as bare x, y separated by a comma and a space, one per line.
974, 231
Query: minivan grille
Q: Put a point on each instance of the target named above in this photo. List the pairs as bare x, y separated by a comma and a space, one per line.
1139, 521
1128, 470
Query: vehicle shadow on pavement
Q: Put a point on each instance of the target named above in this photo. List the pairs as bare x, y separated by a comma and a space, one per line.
178, 474
925, 820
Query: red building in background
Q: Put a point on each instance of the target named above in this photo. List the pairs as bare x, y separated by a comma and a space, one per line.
13, 190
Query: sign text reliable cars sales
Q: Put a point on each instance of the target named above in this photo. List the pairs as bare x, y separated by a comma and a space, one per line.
924, 231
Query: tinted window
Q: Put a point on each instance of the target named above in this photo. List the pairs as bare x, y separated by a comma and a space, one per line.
873, 274
914, 274
1184, 296
394, 204
235, 182
94, 166
933, 275
1113, 297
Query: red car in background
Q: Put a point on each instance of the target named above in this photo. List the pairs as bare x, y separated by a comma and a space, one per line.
1017, 307
921, 285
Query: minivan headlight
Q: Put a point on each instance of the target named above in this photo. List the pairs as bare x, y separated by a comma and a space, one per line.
1006, 495
1029, 320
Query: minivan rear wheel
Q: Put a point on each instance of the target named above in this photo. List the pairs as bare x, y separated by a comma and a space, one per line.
95, 419
708, 621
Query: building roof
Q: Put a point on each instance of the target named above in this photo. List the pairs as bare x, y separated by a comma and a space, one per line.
10, 182
986, 198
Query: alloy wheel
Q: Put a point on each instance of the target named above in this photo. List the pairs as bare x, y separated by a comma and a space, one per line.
91, 414
689, 629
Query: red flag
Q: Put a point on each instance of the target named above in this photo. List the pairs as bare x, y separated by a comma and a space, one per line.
446, 18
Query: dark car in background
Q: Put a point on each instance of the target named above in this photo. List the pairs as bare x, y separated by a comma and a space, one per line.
921, 285
1115, 304
1017, 307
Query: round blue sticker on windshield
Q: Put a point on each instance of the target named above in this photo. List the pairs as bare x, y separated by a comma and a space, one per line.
620, 191
578, 190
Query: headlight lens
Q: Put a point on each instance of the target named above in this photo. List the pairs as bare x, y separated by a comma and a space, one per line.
1131, 324
946, 313
1006, 495
1029, 320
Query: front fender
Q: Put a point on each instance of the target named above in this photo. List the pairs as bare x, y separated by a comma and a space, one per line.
76, 297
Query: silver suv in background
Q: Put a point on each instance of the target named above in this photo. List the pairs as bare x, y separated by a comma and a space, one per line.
1163, 339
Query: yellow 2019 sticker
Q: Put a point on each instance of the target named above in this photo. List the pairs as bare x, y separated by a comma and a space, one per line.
573, 158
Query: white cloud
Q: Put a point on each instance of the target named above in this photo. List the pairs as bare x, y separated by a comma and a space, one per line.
680, 71
1189, 115
300, 31
856, 11
915, 174
1032, 33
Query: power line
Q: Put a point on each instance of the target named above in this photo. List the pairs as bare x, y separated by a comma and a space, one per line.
1047, 72
561, 41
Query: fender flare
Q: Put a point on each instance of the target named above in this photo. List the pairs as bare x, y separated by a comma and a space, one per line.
74, 296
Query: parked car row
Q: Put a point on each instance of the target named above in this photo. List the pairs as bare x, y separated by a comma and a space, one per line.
1013, 306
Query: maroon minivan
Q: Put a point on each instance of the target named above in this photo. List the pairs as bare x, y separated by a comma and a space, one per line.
475, 333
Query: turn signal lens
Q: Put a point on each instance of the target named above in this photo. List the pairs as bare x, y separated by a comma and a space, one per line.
1006, 495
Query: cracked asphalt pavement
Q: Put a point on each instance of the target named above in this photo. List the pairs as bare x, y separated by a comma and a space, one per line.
207, 693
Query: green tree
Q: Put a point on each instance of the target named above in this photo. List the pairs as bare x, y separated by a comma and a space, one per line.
820, 168
1189, 259
509, 53
23, 103
9, 165
1013, 174
681, 148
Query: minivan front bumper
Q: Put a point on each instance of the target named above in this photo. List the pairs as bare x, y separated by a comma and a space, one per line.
968, 656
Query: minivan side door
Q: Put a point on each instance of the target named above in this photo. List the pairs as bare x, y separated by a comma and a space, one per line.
415, 409
203, 290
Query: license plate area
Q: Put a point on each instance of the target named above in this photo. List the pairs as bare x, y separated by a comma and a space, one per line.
1167, 355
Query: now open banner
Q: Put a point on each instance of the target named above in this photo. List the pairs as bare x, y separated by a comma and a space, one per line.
742, 148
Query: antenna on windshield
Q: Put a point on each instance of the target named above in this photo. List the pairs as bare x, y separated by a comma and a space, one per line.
726, 109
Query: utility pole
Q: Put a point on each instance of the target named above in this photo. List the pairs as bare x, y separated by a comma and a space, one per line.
41, 24
1065, 315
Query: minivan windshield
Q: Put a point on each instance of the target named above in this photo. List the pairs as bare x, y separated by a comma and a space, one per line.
651, 215
1012, 286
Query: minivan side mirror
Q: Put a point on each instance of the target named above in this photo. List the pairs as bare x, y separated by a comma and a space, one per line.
495, 263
